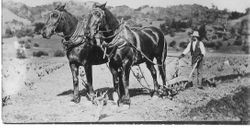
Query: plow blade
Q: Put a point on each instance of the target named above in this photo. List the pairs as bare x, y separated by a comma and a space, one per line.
178, 80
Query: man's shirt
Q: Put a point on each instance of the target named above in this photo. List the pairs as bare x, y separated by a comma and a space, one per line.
202, 48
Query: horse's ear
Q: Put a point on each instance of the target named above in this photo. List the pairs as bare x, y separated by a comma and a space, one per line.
94, 5
122, 21
102, 6
60, 8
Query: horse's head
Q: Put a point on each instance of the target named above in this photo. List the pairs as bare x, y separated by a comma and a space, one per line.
56, 21
100, 19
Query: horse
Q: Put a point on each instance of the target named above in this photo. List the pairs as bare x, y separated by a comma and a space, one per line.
79, 50
127, 47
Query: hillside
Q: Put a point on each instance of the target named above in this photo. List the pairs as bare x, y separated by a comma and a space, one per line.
224, 28
9, 16
82, 8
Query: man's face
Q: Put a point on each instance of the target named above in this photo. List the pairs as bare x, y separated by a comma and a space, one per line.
194, 38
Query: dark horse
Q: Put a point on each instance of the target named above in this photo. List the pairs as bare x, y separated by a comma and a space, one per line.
80, 51
127, 47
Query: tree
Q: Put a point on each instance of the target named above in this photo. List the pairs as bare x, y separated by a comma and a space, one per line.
8, 32
38, 27
202, 31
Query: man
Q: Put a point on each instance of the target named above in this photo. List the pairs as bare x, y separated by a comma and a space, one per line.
197, 49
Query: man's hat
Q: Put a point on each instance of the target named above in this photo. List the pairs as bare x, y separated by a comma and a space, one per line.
195, 34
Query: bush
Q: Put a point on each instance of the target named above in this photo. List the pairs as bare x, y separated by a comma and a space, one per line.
8, 33
36, 45
172, 32
20, 54
218, 45
40, 53
238, 41
38, 27
210, 45
163, 28
214, 37
24, 32
172, 44
59, 53
183, 45
27, 45
246, 49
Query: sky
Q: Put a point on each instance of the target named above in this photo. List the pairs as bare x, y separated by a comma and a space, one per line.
231, 5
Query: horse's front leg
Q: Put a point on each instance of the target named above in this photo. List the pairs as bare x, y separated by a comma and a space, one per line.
74, 70
125, 100
89, 87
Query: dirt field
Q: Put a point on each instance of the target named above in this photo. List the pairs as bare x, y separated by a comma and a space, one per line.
39, 90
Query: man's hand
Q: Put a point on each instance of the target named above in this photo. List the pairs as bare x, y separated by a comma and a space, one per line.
182, 55
200, 56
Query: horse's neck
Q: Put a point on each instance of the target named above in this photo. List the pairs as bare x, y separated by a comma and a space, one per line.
69, 27
112, 24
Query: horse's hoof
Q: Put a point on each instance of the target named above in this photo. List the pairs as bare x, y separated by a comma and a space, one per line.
124, 107
124, 101
90, 97
115, 97
76, 100
155, 96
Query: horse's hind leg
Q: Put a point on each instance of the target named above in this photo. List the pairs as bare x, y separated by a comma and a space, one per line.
162, 70
75, 69
152, 70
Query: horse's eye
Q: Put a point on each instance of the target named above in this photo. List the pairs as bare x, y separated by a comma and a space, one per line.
54, 15
98, 15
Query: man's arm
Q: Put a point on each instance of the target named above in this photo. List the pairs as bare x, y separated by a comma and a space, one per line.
187, 49
202, 47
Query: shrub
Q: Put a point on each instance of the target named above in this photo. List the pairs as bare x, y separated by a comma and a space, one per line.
214, 37
163, 28
40, 53
8, 33
27, 45
126, 17
36, 45
238, 41
172, 44
246, 49
20, 54
38, 27
218, 45
172, 32
210, 45
59, 53
24, 32
183, 45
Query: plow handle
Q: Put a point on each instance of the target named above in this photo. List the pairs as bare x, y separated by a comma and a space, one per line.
190, 75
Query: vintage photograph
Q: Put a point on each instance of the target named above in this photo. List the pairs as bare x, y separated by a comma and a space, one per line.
125, 61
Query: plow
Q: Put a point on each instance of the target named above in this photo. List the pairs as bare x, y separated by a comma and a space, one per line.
177, 83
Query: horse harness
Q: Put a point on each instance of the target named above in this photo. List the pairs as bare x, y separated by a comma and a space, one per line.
76, 39
115, 44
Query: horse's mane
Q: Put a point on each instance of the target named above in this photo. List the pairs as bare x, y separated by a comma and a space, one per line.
111, 20
65, 11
